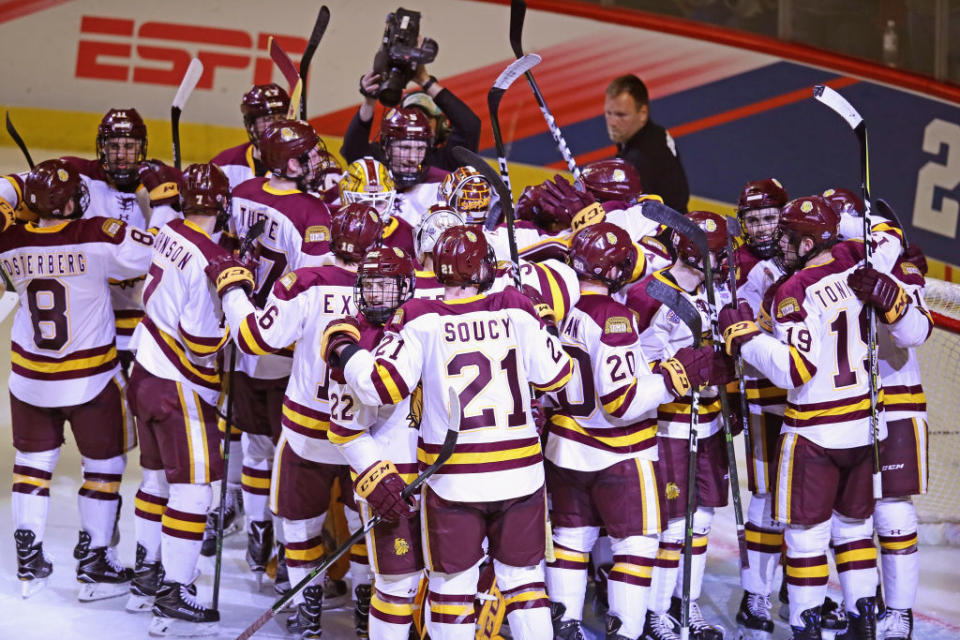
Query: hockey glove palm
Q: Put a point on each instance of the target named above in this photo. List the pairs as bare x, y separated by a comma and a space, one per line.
339, 333
688, 369
879, 291
226, 272
737, 326
382, 487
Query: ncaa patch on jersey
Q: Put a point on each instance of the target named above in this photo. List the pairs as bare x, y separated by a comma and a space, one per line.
787, 306
616, 324
397, 317
317, 233
112, 226
288, 280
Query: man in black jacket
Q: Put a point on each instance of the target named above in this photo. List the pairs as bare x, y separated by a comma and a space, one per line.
643, 143
464, 125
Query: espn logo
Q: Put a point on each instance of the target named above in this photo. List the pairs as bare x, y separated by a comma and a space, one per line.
160, 52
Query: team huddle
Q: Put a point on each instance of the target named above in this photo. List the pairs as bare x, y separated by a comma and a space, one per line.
308, 335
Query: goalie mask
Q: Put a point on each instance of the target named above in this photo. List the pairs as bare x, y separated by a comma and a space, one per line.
463, 257
714, 226
405, 139
758, 210
386, 279
51, 186
262, 104
206, 192
613, 179
286, 140
468, 193
354, 230
810, 217
368, 181
122, 146
843, 201
435, 221
603, 252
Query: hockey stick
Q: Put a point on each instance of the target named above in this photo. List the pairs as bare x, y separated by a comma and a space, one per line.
319, 28
465, 156
518, 11
673, 300
12, 130
245, 245
885, 210
494, 96
700, 240
187, 85
733, 230
446, 450
836, 102
670, 218
286, 66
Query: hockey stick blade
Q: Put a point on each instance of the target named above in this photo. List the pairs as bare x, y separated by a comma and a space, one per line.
518, 11
885, 210
253, 233
188, 84
295, 94
667, 295
285, 64
319, 28
828, 96
516, 69
15, 135
661, 213
8, 302
734, 230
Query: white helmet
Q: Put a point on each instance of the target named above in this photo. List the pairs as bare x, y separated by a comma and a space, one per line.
438, 218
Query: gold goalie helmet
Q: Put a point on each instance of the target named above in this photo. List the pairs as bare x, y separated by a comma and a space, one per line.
468, 193
368, 181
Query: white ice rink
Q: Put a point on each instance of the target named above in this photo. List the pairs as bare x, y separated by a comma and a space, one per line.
55, 613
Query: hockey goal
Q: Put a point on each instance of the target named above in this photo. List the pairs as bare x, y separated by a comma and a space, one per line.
939, 510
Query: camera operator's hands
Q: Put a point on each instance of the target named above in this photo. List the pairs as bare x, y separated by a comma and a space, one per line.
369, 89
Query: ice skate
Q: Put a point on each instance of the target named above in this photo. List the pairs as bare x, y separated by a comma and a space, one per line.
753, 618
700, 629
306, 620
147, 578
231, 524
33, 566
176, 612
564, 629
335, 593
863, 625
811, 625
281, 582
896, 624
833, 617
659, 626
101, 576
361, 610
613, 625
259, 547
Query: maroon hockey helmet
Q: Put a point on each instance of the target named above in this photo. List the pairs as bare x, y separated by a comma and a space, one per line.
51, 185
764, 198
121, 123
385, 280
844, 201
405, 124
714, 226
604, 252
463, 257
812, 217
206, 191
612, 179
286, 140
354, 229
263, 100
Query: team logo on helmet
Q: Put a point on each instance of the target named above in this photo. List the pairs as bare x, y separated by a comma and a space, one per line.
374, 216
776, 182
398, 253
471, 236
829, 192
287, 134
709, 225
63, 175
620, 175
806, 206
612, 239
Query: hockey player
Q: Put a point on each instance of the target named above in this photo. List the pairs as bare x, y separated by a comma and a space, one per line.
296, 234
661, 335
260, 105
436, 220
65, 367
757, 267
369, 181
602, 445
818, 353
299, 306
173, 391
903, 454
369, 436
489, 347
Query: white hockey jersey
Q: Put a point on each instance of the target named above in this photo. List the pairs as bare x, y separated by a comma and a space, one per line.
63, 346
608, 411
181, 332
238, 164
489, 348
298, 309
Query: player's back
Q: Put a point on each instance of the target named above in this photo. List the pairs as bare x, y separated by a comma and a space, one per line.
238, 164
63, 337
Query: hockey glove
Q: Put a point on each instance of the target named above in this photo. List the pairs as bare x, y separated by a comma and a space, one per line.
915, 256
541, 306
879, 291
689, 368
339, 333
564, 202
161, 183
737, 326
591, 214
528, 204
382, 487
226, 273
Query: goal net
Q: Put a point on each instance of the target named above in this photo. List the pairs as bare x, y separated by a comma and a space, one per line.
939, 510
